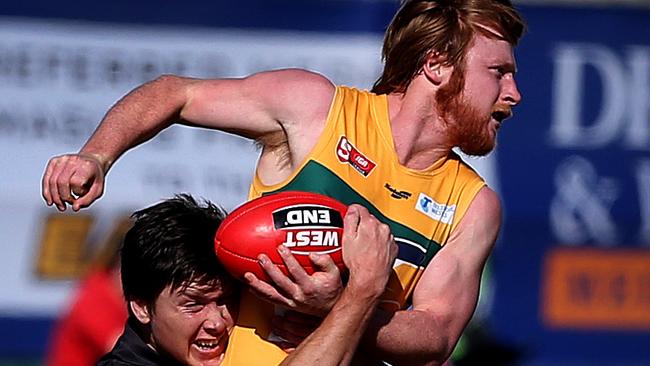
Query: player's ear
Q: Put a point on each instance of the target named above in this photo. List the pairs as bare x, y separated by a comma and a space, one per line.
435, 69
141, 311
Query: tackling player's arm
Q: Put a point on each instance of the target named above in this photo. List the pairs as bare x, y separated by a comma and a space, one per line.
369, 253
284, 101
335, 340
446, 295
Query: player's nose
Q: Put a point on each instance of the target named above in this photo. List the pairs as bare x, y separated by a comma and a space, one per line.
216, 322
510, 92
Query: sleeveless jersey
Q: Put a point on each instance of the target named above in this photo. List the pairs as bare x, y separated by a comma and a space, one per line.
354, 161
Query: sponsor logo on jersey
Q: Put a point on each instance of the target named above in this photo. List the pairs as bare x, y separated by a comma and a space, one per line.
395, 193
310, 227
437, 211
348, 154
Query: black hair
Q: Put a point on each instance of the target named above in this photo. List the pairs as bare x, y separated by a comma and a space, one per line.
171, 243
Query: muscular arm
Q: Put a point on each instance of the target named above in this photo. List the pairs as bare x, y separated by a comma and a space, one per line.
368, 253
335, 340
136, 118
446, 296
290, 102
251, 107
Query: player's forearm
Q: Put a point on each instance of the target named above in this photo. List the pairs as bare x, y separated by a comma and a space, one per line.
408, 338
335, 341
136, 118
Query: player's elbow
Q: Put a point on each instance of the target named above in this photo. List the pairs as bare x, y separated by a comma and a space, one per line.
436, 341
172, 84
167, 79
439, 352
436, 355
444, 332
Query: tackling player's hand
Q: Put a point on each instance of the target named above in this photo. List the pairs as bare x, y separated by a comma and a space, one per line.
313, 294
369, 251
73, 179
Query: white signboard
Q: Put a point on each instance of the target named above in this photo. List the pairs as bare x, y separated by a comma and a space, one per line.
58, 79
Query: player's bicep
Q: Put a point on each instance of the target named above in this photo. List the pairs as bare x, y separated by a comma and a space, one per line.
258, 104
448, 292
450, 283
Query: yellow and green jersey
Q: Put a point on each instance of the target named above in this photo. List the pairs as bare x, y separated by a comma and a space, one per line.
354, 161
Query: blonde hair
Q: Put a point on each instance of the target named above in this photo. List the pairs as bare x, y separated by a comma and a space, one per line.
446, 27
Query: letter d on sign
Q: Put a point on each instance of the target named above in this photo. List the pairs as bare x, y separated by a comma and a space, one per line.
568, 128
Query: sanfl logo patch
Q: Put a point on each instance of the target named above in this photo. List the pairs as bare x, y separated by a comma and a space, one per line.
349, 154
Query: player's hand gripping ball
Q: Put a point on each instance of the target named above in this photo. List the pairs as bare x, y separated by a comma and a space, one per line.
301, 221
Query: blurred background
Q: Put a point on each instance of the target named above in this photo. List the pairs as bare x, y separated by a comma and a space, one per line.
569, 280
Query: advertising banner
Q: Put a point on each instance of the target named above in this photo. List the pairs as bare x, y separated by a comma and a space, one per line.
569, 279
572, 267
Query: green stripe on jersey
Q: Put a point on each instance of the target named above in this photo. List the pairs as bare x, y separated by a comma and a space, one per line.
316, 178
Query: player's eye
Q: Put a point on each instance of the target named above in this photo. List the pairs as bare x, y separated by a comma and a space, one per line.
499, 72
193, 307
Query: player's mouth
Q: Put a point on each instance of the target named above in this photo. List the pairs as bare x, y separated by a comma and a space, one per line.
499, 115
210, 348
206, 345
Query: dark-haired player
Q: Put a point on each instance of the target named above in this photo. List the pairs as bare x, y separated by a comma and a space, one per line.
182, 304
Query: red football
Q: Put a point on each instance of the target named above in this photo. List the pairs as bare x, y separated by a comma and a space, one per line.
303, 222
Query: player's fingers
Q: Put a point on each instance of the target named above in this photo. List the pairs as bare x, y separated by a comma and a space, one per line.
95, 191
351, 221
364, 214
294, 268
45, 183
352, 215
63, 183
79, 185
265, 291
394, 248
323, 263
250, 278
282, 281
57, 170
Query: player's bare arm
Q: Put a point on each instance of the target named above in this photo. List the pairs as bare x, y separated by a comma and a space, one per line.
369, 253
293, 103
443, 301
446, 296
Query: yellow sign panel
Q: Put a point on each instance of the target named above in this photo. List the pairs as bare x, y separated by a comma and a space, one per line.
606, 289
63, 246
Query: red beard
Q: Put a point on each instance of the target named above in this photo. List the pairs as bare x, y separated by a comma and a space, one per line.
467, 128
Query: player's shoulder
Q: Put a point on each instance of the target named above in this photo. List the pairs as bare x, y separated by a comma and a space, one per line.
488, 198
485, 207
297, 95
300, 81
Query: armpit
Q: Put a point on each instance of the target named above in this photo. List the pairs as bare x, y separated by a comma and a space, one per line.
276, 143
